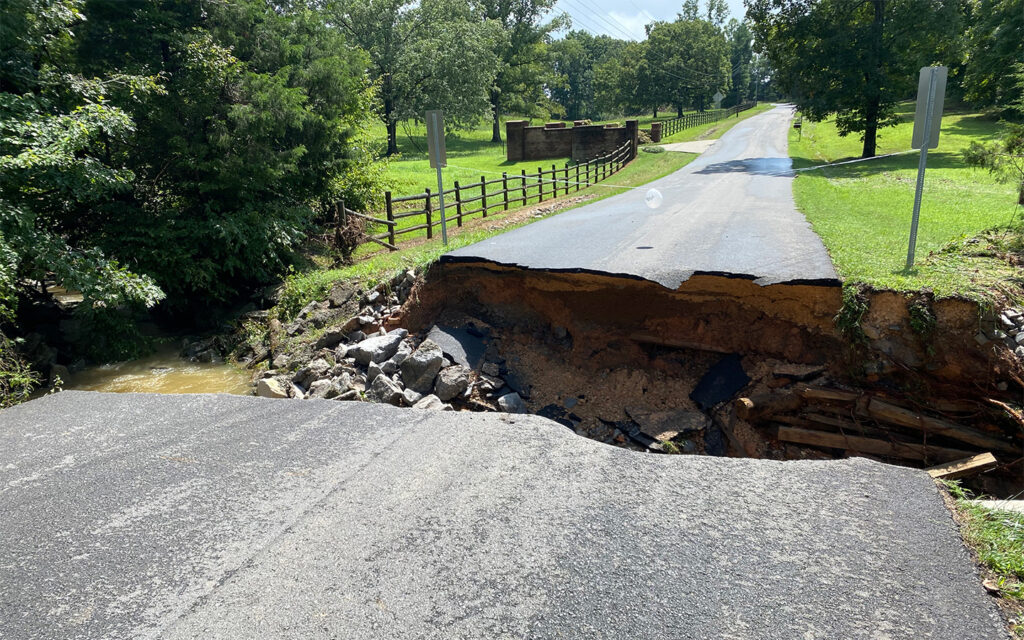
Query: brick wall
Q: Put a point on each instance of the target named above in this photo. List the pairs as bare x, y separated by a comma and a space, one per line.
555, 140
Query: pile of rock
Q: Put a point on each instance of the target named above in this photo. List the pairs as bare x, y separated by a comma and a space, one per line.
1009, 330
359, 360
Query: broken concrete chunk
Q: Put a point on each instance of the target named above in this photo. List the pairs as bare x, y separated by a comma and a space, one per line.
463, 346
385, 390
376, 349
451, 382
430, 402
270, 388
421, 367
512, 403
411, 397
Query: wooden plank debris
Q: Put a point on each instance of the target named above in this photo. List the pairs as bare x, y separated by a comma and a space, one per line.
885, 412
874, 446
963, 467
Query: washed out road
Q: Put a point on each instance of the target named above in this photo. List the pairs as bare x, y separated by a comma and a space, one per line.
148, 516
729, 212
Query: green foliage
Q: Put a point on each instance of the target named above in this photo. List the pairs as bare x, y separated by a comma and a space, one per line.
997, 537
922, 318
522, 56
688, 61
994, 43
855, 305
433, 54
17, 380
574, 62
56, 169
854, 60
251, 139
741, 56
1003, 158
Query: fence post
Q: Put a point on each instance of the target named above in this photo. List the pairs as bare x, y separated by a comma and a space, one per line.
430, 217
577, 177
504, 188
458, 203
483, 194
540, 185
522, 172
391, 218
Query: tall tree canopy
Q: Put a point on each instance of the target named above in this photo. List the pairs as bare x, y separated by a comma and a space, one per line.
853, 58
57, 170
741, 54
249, 138
425, 54
574, 60
521, 53
688, 61
995, 43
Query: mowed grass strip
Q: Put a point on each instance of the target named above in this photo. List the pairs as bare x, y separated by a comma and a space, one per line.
862, 211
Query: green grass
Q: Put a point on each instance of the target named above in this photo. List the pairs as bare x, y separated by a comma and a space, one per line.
862, 211
314, 281
998, 539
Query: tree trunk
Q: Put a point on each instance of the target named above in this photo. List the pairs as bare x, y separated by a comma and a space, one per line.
392, 137
496, 109
679, 110
873, 93
655, 113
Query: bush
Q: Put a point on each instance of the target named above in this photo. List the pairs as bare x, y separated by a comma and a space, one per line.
17, 380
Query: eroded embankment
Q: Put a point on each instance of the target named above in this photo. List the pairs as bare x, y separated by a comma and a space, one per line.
707, 313
905, 379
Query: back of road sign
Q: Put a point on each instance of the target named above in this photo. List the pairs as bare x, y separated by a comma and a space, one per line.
931, 90
435, 140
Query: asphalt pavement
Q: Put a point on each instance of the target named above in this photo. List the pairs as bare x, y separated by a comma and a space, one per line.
729, 212
156, 516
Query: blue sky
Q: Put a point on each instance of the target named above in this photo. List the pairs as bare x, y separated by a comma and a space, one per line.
618, 18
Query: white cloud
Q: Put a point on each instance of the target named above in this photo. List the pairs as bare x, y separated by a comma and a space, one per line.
633, 24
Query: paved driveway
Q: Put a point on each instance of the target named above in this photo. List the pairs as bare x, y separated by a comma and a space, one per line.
729, 212
148, 516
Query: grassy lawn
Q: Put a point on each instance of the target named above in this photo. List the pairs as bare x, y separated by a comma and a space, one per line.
862, 211
998, 539
374, 265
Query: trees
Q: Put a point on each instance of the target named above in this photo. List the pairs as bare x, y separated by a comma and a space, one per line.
995, 42
56, 164
432, 54
741, 55
574, 61
688, 61
854, 58
248, 138
520, 51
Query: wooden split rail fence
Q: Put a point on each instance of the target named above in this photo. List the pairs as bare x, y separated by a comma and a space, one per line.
687, 120
463, 201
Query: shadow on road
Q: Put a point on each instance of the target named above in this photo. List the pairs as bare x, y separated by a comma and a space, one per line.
755, 166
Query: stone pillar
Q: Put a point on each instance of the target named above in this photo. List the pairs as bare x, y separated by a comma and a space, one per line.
515, 140
655, 132
633, 133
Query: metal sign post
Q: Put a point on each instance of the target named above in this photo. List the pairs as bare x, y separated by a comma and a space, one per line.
438, 160
931, 91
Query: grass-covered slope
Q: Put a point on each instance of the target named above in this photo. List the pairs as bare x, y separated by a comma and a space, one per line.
862, 211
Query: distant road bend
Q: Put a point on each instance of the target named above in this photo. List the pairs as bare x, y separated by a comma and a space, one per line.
729, 212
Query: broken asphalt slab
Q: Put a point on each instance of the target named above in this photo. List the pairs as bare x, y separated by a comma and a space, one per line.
232, 517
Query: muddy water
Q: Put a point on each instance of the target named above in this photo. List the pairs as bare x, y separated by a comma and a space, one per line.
163, 372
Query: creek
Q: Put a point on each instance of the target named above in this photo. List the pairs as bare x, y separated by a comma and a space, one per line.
164, 371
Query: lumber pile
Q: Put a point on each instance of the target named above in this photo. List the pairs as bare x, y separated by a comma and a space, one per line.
859, 423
